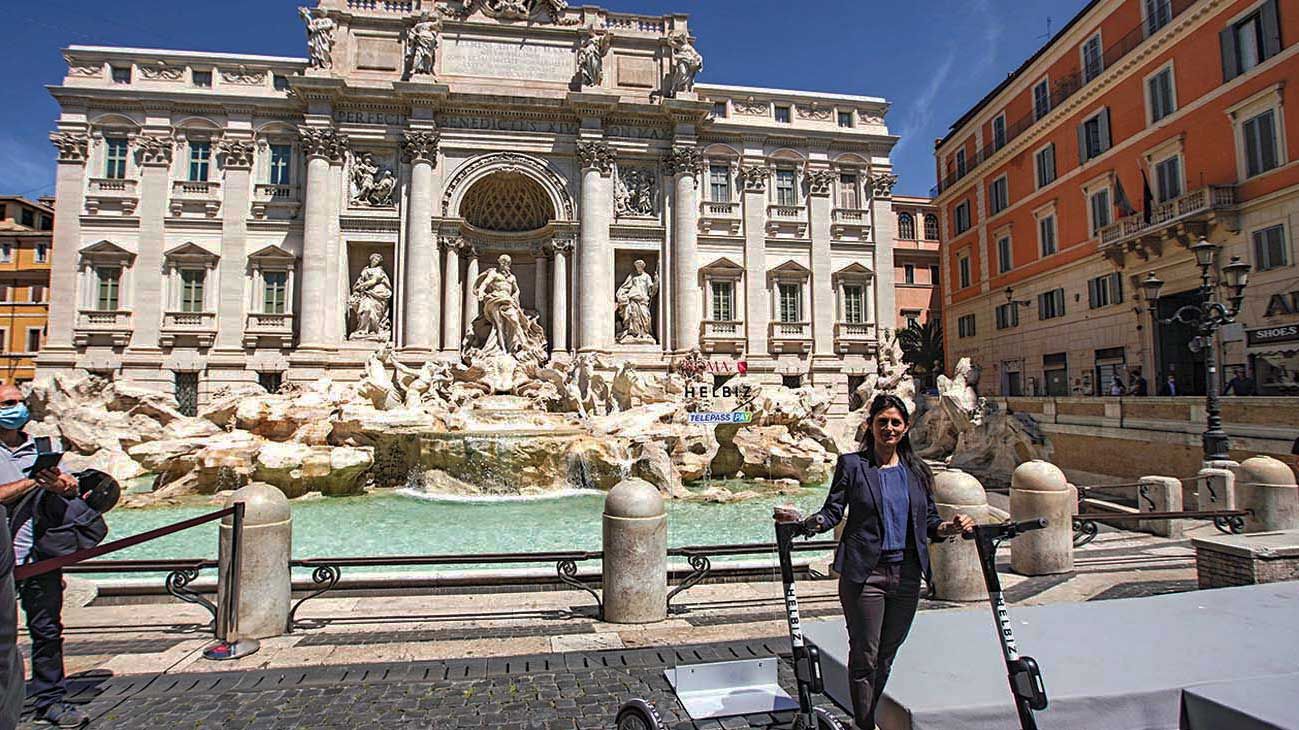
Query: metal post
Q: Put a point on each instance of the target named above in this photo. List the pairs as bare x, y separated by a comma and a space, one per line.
1216, 444
229, 645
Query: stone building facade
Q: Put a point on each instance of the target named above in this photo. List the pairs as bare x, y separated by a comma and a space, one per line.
226, 218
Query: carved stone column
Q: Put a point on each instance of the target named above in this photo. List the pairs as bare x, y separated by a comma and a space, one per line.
451, 298
559, 307
155, 155
323, 149
820, 183
422, 289
594, 256
883, 234
541, 285
683, 164
236, 156
69, 199
470, 253
756, 300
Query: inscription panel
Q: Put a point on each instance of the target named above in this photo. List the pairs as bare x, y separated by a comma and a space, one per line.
378, 53
637, 72
523, 60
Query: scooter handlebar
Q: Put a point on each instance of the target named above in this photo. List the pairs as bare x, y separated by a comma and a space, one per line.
1006, 530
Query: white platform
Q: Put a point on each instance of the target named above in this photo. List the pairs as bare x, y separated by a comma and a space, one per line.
1118, 664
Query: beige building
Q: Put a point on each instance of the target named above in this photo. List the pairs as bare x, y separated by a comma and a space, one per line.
226, 218
25, 233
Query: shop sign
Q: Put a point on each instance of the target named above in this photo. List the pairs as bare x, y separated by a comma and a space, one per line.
1279, 304
1270, 335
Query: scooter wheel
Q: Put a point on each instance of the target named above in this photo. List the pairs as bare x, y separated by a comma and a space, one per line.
639, 715
825, 720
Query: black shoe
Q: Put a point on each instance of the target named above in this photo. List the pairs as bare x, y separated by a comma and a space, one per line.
61, 714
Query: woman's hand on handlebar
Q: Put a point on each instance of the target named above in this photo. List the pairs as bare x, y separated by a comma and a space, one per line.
786, 513
959, 524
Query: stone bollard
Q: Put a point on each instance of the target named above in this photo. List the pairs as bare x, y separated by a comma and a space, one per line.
1266, 487
264, 580
1160, 494
958, 576
1216, 487
1039, 489
635, 554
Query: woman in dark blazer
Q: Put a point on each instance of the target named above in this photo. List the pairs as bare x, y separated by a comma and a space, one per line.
887, 491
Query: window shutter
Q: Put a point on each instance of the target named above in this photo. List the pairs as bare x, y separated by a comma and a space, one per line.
1059, 302
1105, 128
1271, 28
1082, 142
1041, 306
1091, 293
1228, 44
1118, 288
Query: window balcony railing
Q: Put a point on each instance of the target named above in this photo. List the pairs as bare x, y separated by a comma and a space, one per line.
850, 222
717, 335
720, 210
790, 336
1064, 87
786, 212
854, 336
114, 191
787, 220
266, 326
113, 324
720, 218
267, 196
199, 325
1134, 231
204, 196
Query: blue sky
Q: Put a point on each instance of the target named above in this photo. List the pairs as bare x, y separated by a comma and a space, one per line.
932, 59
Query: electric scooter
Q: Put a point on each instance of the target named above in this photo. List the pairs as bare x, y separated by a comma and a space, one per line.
640, 715
1022, 671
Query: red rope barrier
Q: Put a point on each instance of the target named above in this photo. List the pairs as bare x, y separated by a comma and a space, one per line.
30, 570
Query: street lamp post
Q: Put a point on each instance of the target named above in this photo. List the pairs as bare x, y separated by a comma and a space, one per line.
1207, 317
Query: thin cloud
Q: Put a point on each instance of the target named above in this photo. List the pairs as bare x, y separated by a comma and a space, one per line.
25, 168
920, 115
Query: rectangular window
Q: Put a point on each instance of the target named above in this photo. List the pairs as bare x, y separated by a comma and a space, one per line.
6, 252
965, 326
963, 268
1041, 99
281, 82
42, 253
791, 302
854, 304
785, 194
4, 293
1044, 162
782, 114
1103, 291
1093, 63
998, 195
1100, 210
270, 381
203, 79
999, 132
719, 183
120, 74
845, 120
933, 274
275, 288
912, 318
1158, 13
47, 223
281, 163
1168, 179
1159, 90
33, 339
37, 294
931, 227
191, 289
1007, 315
724, 301
1094, 135
200, 155
108, 279
960, 163
1250, 41
962, 215
29, 218
115, 157
1046, 235
1270, 249
719, 109
848, 192
909, 273
187, 393
1004, 257
1050, 304
1261, 152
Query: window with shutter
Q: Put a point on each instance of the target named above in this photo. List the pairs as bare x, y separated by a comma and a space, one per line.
1004, 260
1093, 64
906, 227
1158, 13
1045, 164
999, 132
931, 227
1261, 153
1270, 250
1159, 91
1041, 100
1046, 234
1168, 175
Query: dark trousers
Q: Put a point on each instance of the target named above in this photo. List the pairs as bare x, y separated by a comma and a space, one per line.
878, 613
42, 599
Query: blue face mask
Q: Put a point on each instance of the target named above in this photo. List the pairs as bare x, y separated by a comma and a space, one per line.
14, 417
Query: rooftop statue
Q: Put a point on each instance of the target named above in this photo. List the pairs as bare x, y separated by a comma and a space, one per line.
320, 37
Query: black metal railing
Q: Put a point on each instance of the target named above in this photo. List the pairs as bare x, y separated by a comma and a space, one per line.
701, 557
1086, 527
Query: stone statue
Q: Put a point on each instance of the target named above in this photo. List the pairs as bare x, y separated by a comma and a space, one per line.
320, 37
369, 303
372, 185
590, 57
686, 64
502, 327
636, 192
633, 299
422, 46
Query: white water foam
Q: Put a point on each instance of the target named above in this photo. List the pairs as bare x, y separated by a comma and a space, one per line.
416, 493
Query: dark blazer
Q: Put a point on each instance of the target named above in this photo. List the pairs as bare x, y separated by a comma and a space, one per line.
856, 488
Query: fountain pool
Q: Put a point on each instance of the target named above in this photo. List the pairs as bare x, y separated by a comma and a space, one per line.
410, 523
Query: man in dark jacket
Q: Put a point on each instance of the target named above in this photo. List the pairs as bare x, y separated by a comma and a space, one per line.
1138, 386
11, 663
1240, 384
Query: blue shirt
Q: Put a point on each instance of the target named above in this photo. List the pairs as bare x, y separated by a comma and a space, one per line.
895, 486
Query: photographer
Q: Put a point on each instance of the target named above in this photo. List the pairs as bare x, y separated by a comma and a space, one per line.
22, 494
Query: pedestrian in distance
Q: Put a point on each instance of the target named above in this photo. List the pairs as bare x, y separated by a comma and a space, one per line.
1116, 387
1170, 386
886, 490
1240, 384
1139, 387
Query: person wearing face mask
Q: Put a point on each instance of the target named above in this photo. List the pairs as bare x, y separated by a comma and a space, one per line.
41, 595
887, 492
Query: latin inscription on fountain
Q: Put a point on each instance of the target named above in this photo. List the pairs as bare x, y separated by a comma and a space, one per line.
508, 59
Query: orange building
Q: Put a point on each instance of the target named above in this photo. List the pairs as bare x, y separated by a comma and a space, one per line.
1142, 126
915, 261
26, 230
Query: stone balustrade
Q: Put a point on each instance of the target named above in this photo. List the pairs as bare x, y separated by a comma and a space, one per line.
113, 324
790, 336
198, 325
264, 326
120, 192
202, 196
717, 335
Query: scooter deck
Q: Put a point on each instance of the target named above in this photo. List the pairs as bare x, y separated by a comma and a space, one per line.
728, 689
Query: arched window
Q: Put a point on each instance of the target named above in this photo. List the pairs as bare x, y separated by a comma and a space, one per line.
931, 227
906, 227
